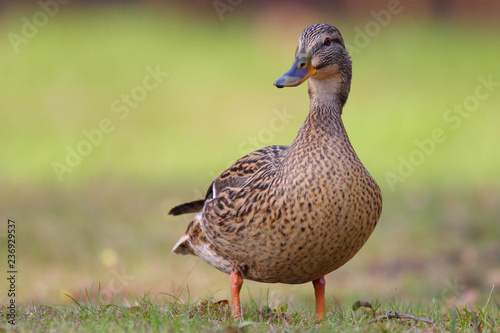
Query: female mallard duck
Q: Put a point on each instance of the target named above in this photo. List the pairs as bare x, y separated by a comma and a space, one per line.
292, 214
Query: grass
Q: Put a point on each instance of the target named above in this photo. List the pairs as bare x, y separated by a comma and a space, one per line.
167, 313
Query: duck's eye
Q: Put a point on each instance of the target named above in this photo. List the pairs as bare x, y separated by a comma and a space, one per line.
327, 41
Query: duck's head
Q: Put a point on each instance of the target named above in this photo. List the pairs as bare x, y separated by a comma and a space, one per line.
322, 58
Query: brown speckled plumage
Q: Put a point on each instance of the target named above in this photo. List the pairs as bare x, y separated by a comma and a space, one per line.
292, 214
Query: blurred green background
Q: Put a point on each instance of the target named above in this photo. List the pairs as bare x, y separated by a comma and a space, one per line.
102, 218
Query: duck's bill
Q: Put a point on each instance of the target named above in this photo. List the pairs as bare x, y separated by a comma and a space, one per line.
301, 70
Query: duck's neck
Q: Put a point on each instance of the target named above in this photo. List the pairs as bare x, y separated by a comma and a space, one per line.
326, 92
324, 118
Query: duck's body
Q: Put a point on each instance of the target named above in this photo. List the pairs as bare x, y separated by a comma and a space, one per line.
291, 214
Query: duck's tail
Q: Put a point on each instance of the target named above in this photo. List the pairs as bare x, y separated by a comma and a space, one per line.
189, 207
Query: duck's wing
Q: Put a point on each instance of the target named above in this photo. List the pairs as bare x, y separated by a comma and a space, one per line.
235, 176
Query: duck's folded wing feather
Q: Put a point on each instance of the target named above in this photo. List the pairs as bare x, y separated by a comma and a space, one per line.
235, 176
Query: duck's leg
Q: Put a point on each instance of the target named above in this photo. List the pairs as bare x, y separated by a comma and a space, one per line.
319, 292
236, 281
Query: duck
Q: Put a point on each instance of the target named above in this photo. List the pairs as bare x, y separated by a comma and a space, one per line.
291, 214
